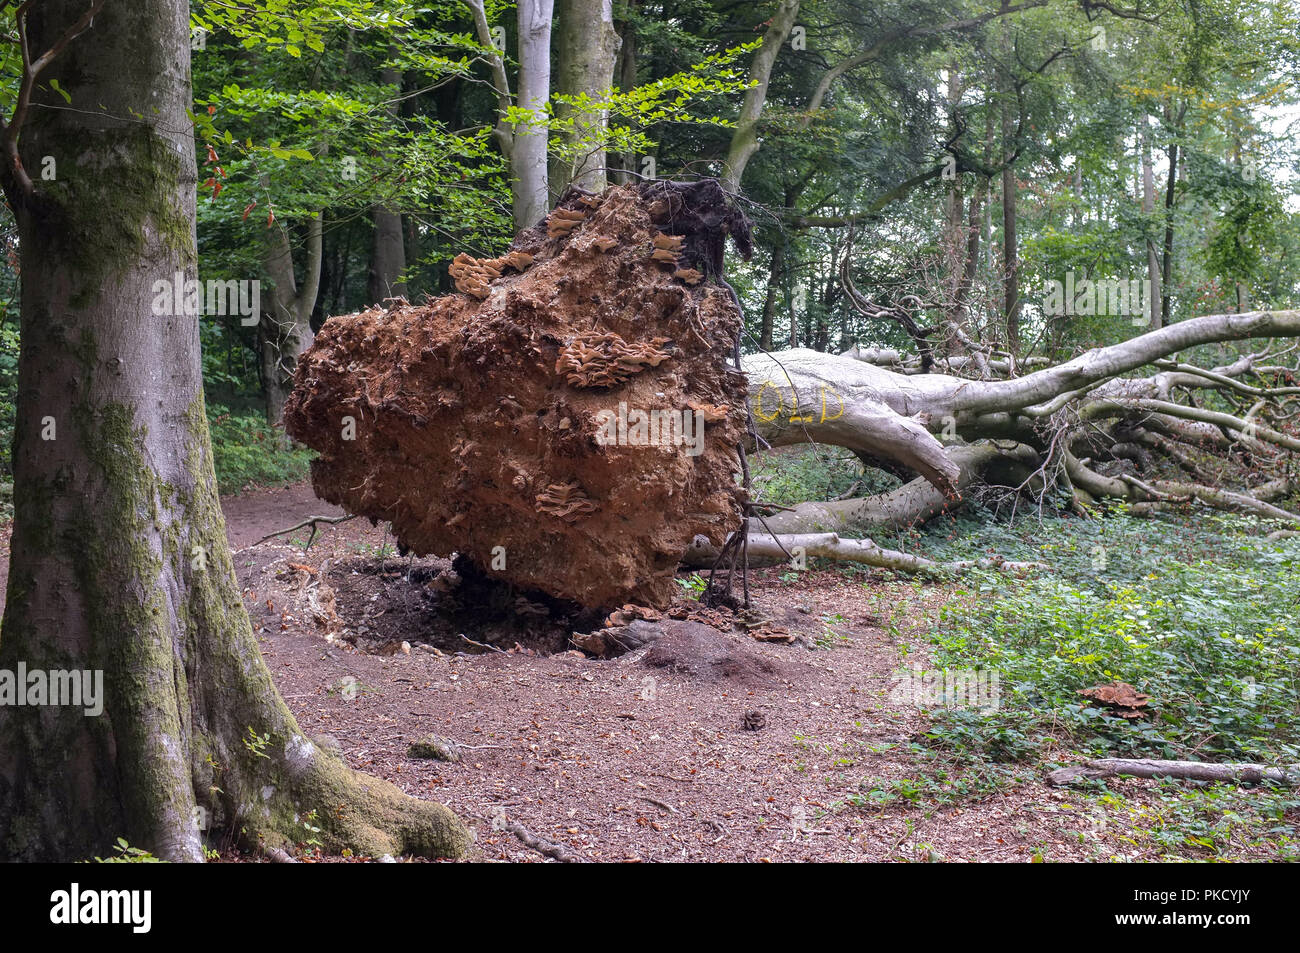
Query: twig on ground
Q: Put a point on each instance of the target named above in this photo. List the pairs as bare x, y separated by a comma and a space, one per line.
309, 521
482, 645
657, 803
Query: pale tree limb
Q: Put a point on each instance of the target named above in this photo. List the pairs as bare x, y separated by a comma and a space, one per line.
1188, 770
834, 546
502, 132
11, 129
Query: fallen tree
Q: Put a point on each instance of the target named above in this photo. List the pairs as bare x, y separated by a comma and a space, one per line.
569, 421
1064, 425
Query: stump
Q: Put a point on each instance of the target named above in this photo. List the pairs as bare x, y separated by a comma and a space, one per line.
567, 421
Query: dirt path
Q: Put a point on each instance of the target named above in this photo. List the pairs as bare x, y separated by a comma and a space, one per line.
622, 760
616, 759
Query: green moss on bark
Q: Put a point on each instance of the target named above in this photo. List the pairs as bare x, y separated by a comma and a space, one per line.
106, 229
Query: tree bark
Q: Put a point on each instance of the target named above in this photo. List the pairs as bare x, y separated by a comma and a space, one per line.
1010, 252
387, 257
528, 161
387, 250
119, 556
1171, 194
586, 49
286, 325
626, 72
1153, 296
773, 290
1191, 770
744, 140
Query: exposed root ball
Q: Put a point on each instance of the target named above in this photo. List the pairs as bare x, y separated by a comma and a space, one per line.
571, 427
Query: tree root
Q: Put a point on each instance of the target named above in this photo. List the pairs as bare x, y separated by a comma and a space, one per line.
543, 846
352, 811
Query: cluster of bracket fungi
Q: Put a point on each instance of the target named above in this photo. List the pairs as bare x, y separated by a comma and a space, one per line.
566, 501
563, 221
593, 359
668, 251
473, 275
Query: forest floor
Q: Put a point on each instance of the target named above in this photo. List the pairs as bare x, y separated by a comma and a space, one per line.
620, 761
617, 760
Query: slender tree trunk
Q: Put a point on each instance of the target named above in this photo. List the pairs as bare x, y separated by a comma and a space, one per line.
528, 162
119, 556
387, 257
286, 324
586, 50
1010, 253
1010, 262
769, 299
744, 140
1168, 264
387, 250
626, 74
1153, 296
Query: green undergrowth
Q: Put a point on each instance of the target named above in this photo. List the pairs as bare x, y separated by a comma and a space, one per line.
248, 452
790, 475
1203, 615
1200, 612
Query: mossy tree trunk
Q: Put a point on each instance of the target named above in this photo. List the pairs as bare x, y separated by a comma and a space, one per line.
119, 555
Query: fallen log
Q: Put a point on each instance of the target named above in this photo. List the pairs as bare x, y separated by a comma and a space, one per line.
778, 548
1189, 770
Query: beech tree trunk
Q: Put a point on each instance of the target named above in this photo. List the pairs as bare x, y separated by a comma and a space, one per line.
1152, 297
528, 158
387, 249
387, 257
586, 49
119, 556
744, 140
286, 325
626, 73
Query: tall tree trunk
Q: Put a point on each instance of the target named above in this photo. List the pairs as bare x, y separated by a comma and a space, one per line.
774, 276
387, 257
286, 325
625, 72
953, 241
119, 556
586, 49
744, 140
387, 250
1148, 211
1167, 269
1010, 253
528, 162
